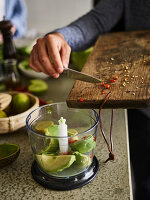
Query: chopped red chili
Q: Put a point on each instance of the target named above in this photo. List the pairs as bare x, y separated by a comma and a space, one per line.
81, 100
107, 86
102, 84
72, 141
95, 139
103, 92
112, 80
116, 77
90, 155
70, 152
64, 153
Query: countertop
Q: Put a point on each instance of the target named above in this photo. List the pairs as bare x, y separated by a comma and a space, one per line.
112, 182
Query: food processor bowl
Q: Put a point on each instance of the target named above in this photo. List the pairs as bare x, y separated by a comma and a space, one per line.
52, 167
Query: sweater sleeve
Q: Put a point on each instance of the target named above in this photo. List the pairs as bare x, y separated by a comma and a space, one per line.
83, 32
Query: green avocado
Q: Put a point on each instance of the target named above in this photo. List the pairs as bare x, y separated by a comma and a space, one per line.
55, 163
83, 145
82, 159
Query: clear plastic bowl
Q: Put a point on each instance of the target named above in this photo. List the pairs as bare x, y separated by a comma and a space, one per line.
82, 127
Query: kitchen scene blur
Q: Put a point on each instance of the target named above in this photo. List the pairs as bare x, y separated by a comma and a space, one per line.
55, 139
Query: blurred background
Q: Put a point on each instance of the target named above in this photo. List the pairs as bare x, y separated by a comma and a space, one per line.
47, 15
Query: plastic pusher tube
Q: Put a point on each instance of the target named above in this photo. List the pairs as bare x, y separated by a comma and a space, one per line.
62, 132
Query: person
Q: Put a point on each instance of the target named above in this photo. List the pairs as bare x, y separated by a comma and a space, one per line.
16, 12
51, 55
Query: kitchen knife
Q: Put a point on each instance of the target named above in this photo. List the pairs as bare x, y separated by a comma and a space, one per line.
71, 73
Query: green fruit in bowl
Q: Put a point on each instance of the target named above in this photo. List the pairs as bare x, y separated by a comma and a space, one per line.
2, 114
55, 163
43, 125
84, 145
80, 58
20, 102
82, 159
37, 86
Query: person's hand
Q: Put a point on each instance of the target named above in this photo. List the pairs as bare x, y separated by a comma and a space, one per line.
50, 55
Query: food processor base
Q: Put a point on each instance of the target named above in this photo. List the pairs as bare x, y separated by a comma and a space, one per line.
68, 183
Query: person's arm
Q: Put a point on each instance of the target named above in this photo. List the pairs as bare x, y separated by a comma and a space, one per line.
16, 12
83, 33
51, 53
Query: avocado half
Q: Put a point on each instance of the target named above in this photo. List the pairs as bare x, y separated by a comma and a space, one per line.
8, 153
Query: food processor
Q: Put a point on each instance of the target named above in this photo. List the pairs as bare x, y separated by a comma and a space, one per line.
63, 141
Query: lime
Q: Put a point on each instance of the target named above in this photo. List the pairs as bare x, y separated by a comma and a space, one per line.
37, 86
2, 114
43, 125
55, 163
83, 145
79, 58
20, 102
81, 159
8, 153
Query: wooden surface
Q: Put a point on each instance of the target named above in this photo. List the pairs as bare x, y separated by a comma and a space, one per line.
125, 54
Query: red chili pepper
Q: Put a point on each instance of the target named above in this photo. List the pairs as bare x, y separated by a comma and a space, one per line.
107, 86
81, 100
103, 92
72, 141
116, 77
42, 102
22, 89
95, 139
70, 152
64, 153
112, 80
102, 84
90, 155
85, 137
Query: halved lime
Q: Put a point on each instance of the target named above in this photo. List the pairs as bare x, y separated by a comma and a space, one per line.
55, 163
8, 153
37, 86
43, 125
83, 145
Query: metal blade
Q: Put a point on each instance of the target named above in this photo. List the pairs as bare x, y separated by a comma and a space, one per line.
81, 76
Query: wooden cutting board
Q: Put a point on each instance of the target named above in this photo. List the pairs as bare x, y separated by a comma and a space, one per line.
122, 54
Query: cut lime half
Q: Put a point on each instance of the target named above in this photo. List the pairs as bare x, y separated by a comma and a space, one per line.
55, 163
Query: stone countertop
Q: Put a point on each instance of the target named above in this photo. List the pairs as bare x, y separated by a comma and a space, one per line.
112, 182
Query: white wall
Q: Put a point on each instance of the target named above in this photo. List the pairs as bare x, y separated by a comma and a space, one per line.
47, 15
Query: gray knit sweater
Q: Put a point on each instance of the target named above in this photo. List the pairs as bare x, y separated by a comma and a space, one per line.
83, 32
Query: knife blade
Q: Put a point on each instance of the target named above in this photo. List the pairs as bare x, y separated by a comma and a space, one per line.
71, 73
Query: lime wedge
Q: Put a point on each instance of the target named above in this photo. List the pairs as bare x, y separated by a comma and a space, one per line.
83, 145
37, 86
43, 125
8, 153
55, 163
